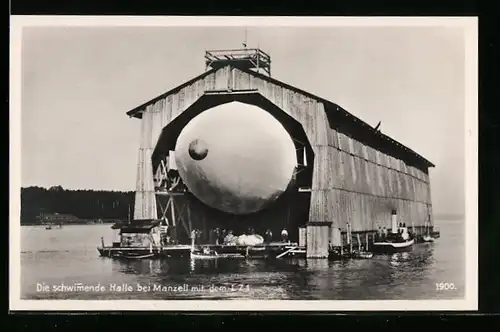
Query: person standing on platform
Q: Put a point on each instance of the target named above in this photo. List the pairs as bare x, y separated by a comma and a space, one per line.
217, 236
269, 236
197, 236
201, 237
222, 236
172, 233
284, 235
211, 236
229, 238
193, 238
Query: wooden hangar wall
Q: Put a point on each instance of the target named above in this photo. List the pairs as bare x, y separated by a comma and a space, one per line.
352, 183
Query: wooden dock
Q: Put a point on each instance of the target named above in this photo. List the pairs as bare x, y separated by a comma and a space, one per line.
165, 251
266, 250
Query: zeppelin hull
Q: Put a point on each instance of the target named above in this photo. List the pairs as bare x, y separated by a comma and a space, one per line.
236, 158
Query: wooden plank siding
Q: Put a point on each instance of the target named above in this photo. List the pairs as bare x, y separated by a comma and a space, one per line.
351, 183
318, 238
145, 199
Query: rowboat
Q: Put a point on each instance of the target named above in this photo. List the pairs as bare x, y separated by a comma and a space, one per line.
256, 249
363, 255
427, 238
131, 255
212, 254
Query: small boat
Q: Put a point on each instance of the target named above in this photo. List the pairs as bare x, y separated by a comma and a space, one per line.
430, 236
393, 246
256, 252
212, 254
363, 255
427, 238
395, 242
256, 249
121, 254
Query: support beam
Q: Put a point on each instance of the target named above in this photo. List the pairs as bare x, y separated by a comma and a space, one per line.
177, 208
317, 239
145, 200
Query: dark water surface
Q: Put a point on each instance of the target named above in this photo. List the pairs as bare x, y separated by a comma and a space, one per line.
54, 258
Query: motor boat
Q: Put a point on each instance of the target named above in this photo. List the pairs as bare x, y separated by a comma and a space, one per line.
401, 240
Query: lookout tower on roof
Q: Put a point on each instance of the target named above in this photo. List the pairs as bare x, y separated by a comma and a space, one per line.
245, 58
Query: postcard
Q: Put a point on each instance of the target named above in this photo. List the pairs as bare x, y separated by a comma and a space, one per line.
243, 163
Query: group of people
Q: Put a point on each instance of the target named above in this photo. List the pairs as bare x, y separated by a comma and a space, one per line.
169, 237
382, 233
408, 235
215, 235
226, 236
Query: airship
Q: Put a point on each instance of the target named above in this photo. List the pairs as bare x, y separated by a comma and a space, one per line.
236, 158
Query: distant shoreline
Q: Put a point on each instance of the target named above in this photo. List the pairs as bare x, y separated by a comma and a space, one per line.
56, 204
70, 224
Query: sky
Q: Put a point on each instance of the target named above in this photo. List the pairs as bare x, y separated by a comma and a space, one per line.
78, 83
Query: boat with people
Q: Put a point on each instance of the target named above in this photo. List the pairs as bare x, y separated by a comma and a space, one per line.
400, 239
242, 246
342, 251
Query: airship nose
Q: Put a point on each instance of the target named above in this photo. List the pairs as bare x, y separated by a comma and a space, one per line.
235, 157
198, 149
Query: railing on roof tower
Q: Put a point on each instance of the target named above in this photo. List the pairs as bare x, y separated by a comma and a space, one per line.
247, 58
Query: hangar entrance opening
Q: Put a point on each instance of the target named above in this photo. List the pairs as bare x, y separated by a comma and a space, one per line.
233, 162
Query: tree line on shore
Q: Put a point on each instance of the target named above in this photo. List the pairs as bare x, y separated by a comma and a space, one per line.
82, 204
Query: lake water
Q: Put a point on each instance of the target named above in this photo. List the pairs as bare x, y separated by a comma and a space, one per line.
68, 256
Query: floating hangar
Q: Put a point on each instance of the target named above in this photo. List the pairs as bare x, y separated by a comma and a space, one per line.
235, 148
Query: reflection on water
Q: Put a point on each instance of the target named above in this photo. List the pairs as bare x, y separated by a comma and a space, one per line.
68, 256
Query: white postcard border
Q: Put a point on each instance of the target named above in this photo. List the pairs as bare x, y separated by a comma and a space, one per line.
470, 302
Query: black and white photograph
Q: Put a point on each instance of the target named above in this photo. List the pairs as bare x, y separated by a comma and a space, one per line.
243, 163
